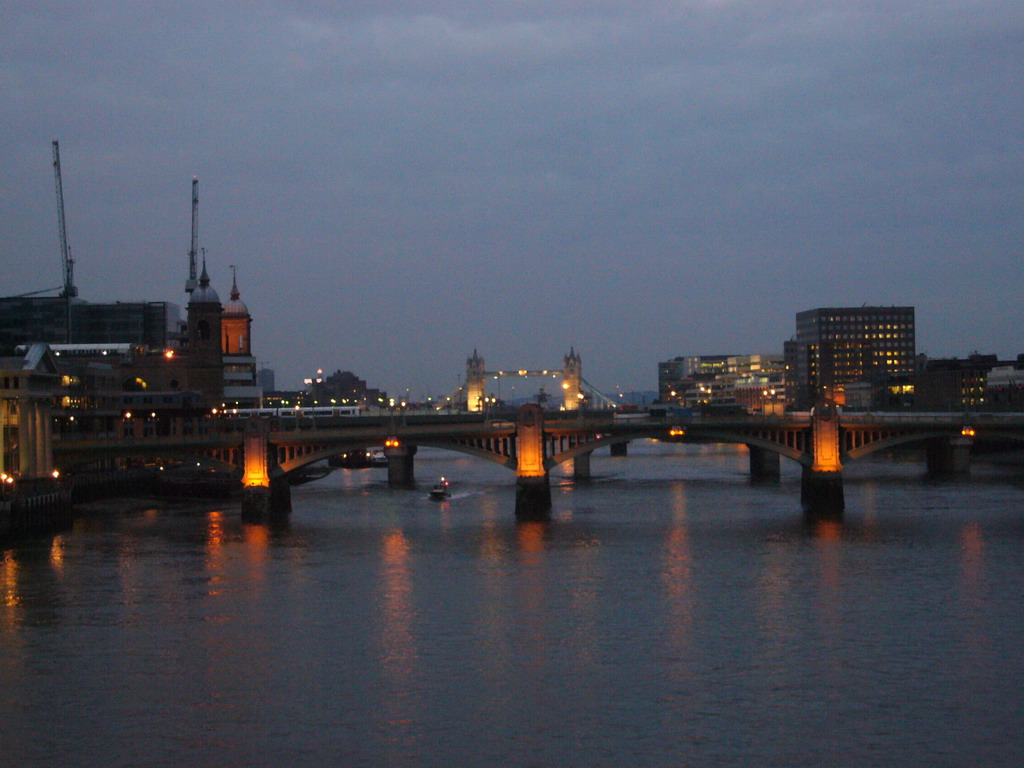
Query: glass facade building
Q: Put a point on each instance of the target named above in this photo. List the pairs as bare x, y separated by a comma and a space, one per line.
55, 320
836, 346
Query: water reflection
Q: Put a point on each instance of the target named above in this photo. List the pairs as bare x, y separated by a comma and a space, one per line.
9, 582
973, 595
530, 538
57, 555
531, 590
677, 576
257, 549
214, 549
664, 622
398, 651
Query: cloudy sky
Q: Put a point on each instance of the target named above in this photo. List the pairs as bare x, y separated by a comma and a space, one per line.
401, 182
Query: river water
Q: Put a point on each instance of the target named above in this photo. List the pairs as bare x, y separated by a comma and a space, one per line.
672, 613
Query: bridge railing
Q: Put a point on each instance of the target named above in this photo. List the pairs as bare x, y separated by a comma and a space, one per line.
927, 417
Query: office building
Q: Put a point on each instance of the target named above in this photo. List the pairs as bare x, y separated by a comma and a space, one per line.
836, 346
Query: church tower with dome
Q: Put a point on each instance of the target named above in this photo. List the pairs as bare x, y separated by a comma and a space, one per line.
241, 389
204, 355
236, 322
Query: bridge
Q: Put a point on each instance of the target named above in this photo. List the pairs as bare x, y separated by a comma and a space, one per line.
264, 452
576, 391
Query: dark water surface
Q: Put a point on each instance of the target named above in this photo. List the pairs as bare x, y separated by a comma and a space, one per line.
671, 613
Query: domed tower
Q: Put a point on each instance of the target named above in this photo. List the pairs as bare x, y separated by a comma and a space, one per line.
204, 320
205, 366
236, 323
241, 389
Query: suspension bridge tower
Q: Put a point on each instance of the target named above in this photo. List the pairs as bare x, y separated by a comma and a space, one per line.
572, 376
475, 378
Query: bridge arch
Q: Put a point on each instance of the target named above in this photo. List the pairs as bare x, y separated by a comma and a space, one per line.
284, 468
853, 452
772, 446
208, 459
582, 448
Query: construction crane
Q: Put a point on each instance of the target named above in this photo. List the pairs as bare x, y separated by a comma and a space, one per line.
69, 291
191, 283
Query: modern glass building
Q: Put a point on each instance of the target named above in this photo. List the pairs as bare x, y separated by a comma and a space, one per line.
836, 346
56, 320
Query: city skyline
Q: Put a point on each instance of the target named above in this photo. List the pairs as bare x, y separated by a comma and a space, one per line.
397, 189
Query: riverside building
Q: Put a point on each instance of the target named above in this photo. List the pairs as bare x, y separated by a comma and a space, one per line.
839, 346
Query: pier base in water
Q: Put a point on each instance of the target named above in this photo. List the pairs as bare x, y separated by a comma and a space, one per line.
581, 468
261, 503
401, 470
533, 498
949, 457
764, 464
821, 493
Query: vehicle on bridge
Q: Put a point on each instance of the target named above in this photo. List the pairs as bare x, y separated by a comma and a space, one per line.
304, 412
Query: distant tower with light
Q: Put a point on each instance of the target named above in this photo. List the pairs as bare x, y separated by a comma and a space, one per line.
572, 375
241, 382
475, 375
236, 322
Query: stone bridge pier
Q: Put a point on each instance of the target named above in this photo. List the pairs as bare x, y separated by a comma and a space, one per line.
765, 465
581, 467
401, 469
263, 497
821, 488
950, 456
533, 487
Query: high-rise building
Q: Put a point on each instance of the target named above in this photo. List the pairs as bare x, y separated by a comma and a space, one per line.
59, 320
836, 346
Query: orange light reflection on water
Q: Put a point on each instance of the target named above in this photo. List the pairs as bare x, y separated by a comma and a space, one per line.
677, 573
257, 549
215, 552
57, 556
973, 622
398, 649
828, 540
9, 581
679, 595
397, 641
530, 538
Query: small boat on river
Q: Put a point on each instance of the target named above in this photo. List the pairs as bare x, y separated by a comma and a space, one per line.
440, 490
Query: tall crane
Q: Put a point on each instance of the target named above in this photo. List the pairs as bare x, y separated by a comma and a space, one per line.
191, 283
69, 291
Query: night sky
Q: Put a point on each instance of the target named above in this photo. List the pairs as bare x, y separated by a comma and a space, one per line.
401, 182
